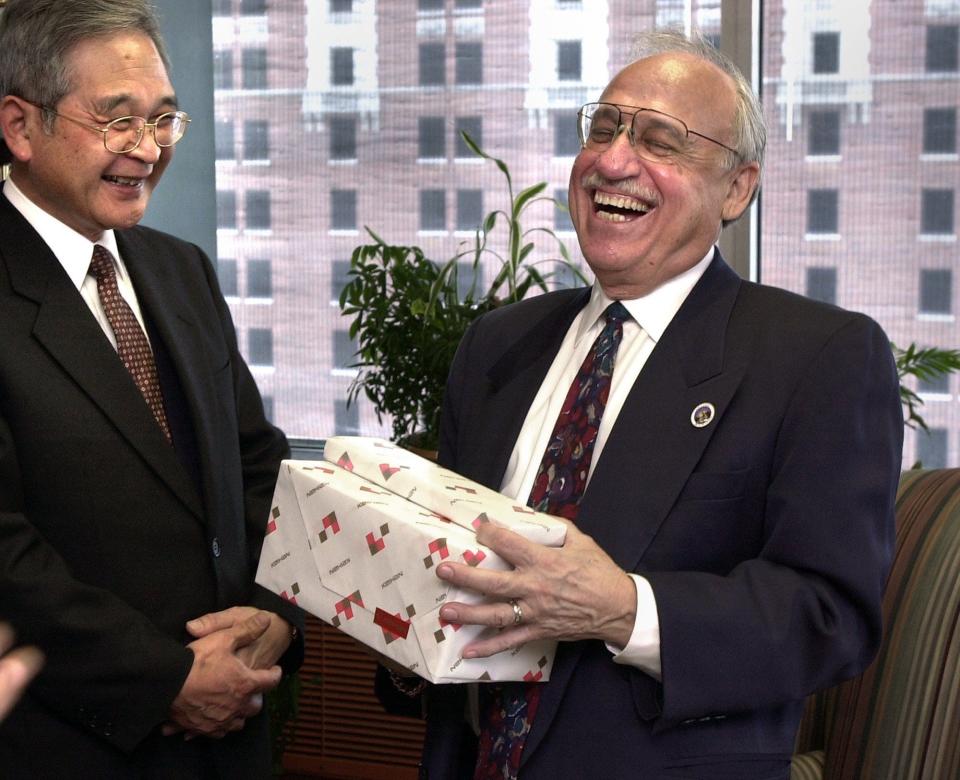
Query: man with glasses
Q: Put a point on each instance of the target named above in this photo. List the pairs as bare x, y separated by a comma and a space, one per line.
728, 454
136, 464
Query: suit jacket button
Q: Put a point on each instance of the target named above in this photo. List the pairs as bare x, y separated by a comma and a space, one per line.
215, 546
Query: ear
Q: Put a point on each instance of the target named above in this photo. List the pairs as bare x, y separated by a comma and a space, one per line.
745, 180
16, 124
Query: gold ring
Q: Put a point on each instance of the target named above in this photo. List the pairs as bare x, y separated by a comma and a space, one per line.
517, 612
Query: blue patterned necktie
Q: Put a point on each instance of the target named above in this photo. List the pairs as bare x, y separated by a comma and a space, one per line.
557, 490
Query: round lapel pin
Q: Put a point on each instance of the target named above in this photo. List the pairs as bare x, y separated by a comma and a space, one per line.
702, 415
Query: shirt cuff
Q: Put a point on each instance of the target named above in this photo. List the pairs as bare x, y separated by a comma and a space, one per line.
643, 648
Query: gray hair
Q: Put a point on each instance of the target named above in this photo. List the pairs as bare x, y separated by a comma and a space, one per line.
36, 36
749, 129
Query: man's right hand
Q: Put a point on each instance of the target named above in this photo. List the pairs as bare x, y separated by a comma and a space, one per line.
221, 692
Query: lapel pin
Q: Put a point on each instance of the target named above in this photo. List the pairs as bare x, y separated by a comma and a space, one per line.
702, 415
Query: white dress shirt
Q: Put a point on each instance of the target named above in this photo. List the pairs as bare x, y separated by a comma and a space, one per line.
75, 252
650, 316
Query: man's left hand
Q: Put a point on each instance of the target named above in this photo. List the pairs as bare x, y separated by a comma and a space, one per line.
262, 653
565, 593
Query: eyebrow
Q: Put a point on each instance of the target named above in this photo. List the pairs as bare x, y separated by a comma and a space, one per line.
106, 106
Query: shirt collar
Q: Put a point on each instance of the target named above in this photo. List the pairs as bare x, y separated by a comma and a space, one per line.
653, 311
73, 250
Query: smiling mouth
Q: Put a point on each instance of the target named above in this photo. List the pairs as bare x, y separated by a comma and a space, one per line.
619, 208
124, 181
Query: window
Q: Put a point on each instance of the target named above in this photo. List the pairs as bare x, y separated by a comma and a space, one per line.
826, 52
253, 7
431, 138
222, 7
468, 4
257, 205
259, 279
472, 126
344, 350
343, 209
938, 385
936, 212
942, 40
561, 211
346, 419
227, 276
343, 137
256, 140
223, 139
822, 284
254, 62
940, 131
936, 291
469, 209
430, 5
932, 448
260, 346
226, 209
341, 6
267, 407
339, 276
223, 69
432, 67
433, 210
564, 278
822, 211
341, 66
824, 133
568, 61
566, 142
469, 56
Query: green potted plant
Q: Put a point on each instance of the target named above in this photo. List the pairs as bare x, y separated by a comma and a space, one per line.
409, 312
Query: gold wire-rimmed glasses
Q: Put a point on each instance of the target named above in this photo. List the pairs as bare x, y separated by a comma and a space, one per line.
654, 135
124, 134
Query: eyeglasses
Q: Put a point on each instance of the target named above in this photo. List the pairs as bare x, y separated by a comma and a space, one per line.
124, 134
655, 136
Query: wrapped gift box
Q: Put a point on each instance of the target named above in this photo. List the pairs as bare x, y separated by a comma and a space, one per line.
363, 559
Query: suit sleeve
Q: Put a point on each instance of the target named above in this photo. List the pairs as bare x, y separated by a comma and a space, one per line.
805, 612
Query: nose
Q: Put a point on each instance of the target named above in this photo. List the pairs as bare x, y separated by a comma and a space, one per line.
620, 159
147, 150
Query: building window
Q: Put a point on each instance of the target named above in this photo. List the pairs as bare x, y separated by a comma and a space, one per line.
343, 209
938, 385
339, 276
227, 276
468, 4
822, 284
430, 5
223, 139
346, 419
431, 138
267, 407
469, 209
469, 56
936, 212
226, 209
433, 210
343, 137
223, 69
432, 66
568, 61
256, 140
561, 211
942, 46
341, 6
824, 133
566, 142
932, 448
344, 350
254, 62
260, 346
472, 126
341, 66
822, 211
826, 52
259, 279
257, 206
936, 291
222, 7
940, 131
253, 7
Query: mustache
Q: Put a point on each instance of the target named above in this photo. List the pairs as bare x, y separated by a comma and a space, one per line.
628, 187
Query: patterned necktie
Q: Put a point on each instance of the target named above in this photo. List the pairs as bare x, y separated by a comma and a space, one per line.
132, 345
557, 490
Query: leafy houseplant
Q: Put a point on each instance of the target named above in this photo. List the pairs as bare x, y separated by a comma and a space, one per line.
924, 364
409, 314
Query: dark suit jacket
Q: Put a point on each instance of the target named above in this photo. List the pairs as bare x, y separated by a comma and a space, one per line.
109, 539
766, 535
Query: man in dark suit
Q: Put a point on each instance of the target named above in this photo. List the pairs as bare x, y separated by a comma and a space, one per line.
136, 465
731, 544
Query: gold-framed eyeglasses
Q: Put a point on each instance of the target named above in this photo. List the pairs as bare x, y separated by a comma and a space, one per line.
124, 134
654, 135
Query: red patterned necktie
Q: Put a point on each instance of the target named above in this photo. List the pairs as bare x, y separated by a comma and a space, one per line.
557, 490
132, 345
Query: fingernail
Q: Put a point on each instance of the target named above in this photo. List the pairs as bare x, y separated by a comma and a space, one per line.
469, 653
444, 571
449, 614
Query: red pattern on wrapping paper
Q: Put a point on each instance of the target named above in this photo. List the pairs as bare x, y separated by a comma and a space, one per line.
132, 345
464, 488
344, 462
393, 625
474, 558
388, 471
